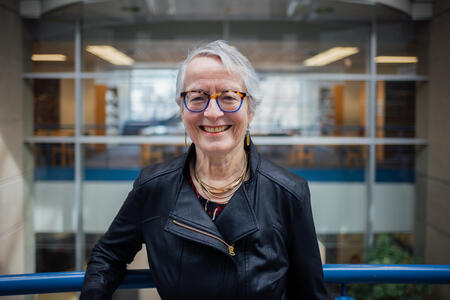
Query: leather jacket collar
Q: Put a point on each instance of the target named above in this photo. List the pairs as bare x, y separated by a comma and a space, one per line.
236, 221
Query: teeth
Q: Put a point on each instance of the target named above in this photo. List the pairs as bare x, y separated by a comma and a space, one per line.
215, 129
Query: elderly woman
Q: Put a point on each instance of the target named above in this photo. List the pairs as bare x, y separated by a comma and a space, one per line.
219, 222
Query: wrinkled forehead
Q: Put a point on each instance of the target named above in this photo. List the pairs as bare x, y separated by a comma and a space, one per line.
204, 68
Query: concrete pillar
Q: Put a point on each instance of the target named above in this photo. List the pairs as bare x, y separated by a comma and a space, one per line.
438, 172
12, 256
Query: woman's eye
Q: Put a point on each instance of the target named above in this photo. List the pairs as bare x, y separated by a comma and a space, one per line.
228, 98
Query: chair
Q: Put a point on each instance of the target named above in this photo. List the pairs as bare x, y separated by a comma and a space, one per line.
301, 154
151, 154
62, 153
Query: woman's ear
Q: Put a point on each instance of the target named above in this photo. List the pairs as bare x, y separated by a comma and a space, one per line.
250, 116
181, 108
182, 116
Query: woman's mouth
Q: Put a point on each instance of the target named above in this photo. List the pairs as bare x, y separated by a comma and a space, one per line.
215, 129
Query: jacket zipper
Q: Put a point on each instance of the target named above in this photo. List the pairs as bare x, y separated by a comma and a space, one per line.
230, 247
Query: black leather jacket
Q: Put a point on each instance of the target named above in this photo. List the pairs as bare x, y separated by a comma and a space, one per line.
262, 246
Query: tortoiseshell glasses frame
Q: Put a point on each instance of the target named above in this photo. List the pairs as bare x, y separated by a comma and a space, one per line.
228, 101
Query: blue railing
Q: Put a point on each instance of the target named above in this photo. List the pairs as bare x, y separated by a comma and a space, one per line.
40, 283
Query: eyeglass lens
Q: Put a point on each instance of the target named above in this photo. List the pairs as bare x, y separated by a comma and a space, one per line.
228, 101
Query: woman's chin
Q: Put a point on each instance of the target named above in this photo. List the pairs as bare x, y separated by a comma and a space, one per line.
216, 147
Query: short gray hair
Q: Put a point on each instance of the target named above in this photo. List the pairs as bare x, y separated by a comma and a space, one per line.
233, 60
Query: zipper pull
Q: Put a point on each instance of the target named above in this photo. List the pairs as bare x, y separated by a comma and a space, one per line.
231, 250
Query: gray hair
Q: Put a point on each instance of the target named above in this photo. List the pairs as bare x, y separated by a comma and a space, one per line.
233, 60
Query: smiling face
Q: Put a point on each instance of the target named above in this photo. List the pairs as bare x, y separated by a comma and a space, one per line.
213, 131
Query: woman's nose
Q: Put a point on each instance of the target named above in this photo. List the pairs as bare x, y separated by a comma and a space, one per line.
213, 110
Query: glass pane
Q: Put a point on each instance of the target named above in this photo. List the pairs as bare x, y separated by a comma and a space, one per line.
110, 170
53, 106
141, 103
343, 248
295, 106
148, 45
407, 41
109, 174
401, 108
288, 46
336, 176
54, 207
55, 252
270, 46
275, 35
53, 38
395, 193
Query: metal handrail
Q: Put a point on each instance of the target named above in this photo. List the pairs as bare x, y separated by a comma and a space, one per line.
39, 283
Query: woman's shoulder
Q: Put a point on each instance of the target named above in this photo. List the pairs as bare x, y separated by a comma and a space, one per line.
283, 177
154, 171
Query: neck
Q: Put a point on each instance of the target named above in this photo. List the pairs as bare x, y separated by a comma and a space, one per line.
220, 168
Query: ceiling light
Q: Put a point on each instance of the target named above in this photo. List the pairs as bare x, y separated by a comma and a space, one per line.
110, 54
396, 59
329, 56
48, 57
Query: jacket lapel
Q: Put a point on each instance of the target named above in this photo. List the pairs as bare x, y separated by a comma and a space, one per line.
188, 220
236, 221
189, 210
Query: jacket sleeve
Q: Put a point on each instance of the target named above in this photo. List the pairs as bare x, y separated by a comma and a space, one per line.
116, 248
305, 277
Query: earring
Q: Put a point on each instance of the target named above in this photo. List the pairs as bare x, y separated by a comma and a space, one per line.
185, 139
247, 137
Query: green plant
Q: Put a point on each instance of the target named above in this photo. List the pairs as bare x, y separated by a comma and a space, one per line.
389, 251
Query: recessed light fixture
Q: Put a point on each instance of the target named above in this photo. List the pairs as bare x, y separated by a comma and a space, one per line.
329, 56
111, 55
396, 59
48, 57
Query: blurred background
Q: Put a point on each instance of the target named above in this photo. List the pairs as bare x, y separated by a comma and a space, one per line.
356, 98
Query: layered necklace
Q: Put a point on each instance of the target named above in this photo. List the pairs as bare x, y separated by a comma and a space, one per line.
222, 194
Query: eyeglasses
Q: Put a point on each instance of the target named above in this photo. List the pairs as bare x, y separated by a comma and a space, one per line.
228, 101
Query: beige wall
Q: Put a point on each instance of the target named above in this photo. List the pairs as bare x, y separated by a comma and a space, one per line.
438, 171
11, 174
352, 102
67, 104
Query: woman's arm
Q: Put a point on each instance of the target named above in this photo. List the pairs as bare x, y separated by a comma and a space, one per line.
116, 248
305, 278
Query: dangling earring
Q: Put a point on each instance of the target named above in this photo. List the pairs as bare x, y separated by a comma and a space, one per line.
247, 137
185, 139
